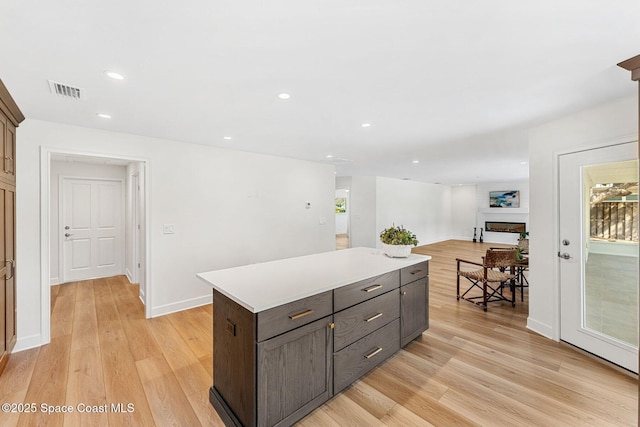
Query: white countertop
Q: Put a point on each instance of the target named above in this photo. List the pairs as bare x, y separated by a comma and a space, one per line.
258, 287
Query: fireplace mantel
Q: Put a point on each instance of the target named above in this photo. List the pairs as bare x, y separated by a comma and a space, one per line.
504, 211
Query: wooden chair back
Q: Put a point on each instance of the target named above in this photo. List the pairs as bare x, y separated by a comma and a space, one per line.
500, 258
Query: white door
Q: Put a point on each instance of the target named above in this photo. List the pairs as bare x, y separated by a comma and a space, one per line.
598, 252
91, 234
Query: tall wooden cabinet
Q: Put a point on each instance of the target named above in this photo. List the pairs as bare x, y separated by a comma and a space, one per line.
10, 118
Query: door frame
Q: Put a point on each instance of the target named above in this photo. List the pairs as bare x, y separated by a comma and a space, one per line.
122, 212
555, 332
136, 233
45, 241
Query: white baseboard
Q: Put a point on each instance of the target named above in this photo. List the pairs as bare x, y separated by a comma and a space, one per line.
540, 328
27, 343
181, 305
55, 281
129, 275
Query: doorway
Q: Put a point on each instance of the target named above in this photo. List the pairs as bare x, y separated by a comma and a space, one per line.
50, 271
342, 218
598, 252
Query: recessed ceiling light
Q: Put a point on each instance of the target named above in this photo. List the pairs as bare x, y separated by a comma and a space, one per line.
103, 116
284, 95
228, 138
114, 75
346, 191
416, 161
329, 156
366, 125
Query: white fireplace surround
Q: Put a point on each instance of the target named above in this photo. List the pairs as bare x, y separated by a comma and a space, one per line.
501, 215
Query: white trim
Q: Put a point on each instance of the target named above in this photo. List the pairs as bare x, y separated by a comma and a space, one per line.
45, 270
182, 305
540, 328
27, 343
55, 281
45, 267
128, 274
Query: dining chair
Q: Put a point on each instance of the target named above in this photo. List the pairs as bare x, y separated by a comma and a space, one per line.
496, 272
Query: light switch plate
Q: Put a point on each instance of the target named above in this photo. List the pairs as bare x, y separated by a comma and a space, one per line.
168, 229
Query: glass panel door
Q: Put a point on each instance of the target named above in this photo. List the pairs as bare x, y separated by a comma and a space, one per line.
598, 252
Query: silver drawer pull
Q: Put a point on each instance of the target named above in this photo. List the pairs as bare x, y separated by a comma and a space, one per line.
373, 317
370, 355
415, 272
299, 315
372, 288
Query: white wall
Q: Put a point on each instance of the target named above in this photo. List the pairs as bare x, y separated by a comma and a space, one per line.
424, 209
612, 122
363, 231
79, 170
464, 208
228, 207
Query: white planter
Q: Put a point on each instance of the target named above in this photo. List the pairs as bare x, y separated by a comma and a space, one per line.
397, 251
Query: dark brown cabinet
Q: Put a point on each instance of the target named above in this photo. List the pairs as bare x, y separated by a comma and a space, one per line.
10, 118
414, 302
294, 373
273, 367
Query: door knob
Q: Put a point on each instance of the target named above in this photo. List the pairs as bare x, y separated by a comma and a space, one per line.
67, 234
66, 227
564, 255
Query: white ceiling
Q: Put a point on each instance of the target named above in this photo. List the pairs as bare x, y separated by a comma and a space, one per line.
452, 84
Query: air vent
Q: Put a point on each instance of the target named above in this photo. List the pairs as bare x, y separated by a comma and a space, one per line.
66, 91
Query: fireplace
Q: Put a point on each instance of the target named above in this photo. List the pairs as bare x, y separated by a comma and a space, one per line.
505, 227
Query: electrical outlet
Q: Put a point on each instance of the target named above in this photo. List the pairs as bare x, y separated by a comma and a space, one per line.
168, 229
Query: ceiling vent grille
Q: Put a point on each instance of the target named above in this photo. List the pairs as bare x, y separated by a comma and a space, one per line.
66, 91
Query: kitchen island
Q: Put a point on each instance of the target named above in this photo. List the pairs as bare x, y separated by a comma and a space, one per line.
289, 334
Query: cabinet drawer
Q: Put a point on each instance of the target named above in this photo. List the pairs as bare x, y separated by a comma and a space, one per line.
363, 355
362, 319
278, 320
363, 290
414, 272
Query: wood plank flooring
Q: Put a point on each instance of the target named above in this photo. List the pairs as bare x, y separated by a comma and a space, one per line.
469, 368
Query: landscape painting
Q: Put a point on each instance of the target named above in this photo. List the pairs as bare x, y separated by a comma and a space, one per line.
504, 199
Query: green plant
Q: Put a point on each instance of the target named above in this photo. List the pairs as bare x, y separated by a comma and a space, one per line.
398, 236
524, 235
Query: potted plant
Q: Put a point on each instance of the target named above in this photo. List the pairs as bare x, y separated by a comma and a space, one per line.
523, 242
397, 241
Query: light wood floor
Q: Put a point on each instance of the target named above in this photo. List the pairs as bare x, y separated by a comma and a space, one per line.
469, 368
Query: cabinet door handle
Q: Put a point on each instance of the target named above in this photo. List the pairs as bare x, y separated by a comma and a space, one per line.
12, 264
416, 272
403, 293
373, 317
373, 353
372, 288
299, 315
